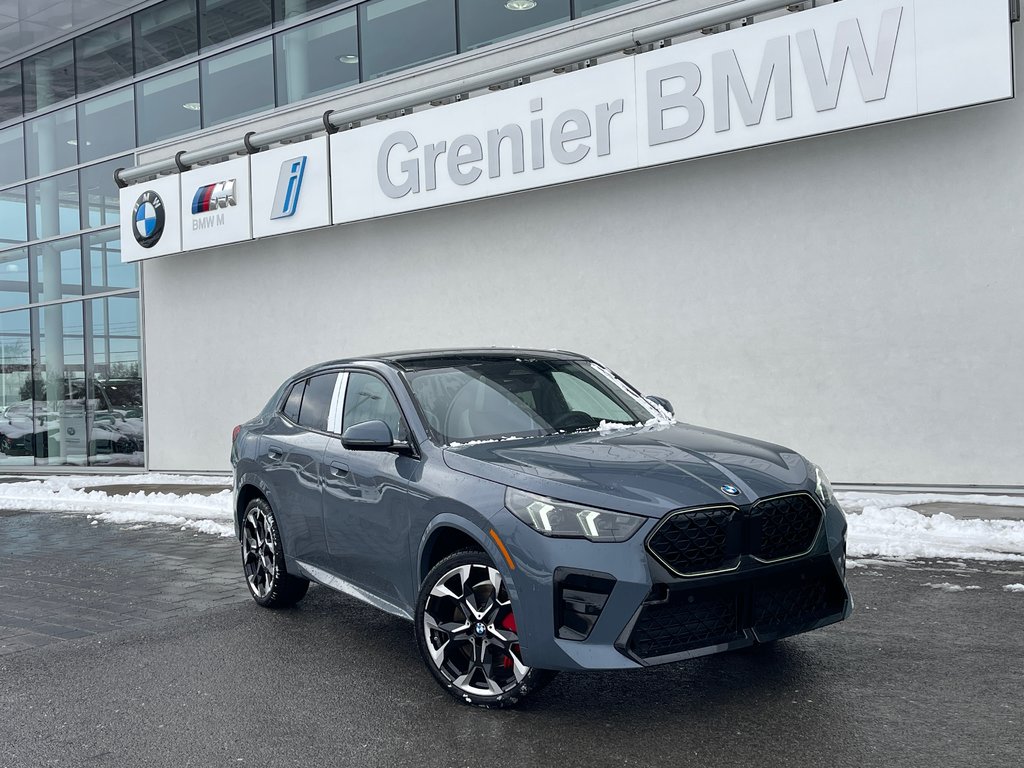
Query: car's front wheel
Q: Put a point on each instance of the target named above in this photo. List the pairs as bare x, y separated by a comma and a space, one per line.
467, 633
263, 560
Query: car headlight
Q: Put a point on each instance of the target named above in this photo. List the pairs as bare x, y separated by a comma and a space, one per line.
564, 519
822, 486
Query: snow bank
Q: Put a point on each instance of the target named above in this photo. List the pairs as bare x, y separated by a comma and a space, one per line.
1014, 588
882, 524
207, 514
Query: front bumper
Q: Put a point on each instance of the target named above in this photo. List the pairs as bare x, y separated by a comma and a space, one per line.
581, 605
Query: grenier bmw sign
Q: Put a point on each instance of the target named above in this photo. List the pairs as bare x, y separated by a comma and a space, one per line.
841, 66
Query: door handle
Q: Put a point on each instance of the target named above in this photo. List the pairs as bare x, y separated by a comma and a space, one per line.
338, 469
275, 453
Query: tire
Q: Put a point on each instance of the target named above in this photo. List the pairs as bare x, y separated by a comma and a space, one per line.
473, 651
268, 580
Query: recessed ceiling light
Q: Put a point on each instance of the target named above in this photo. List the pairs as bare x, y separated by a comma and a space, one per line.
348, 58
191, 106
74, 143
520, 5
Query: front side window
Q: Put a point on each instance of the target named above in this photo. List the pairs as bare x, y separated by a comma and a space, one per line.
486, 399
368, 398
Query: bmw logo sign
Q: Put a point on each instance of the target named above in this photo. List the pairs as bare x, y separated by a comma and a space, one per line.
730, 490
148, 219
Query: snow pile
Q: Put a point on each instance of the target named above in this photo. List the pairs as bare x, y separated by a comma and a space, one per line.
1014, 588
207, 514
947, 587
883, 524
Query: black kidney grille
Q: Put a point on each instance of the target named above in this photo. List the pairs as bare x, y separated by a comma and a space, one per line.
685, 623
697, 541
783, 527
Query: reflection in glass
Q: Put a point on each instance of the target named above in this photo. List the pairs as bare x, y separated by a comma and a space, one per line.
115, 385
12, 154
13, 218
53, 206
56, 269
104, 56
14, 278
17, 426
60, 431
164, 33
51, 142
167, 105
586, 7
99, 193
238, 83
106, 125
103, 262
10, 92
49, 77
286, 10
397, 34
317, 57
223, 20
481, 23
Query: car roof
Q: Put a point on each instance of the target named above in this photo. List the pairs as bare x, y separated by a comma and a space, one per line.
415, 358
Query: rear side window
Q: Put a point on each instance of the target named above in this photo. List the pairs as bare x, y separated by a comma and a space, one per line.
294, 401
316, 402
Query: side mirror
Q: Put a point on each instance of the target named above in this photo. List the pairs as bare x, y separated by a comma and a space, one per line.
369, 436
665, 404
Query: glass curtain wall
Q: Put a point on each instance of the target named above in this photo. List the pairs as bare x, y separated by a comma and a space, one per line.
70, 336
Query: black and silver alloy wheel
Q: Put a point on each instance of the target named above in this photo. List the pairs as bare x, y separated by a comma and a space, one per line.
263, 560
468, 635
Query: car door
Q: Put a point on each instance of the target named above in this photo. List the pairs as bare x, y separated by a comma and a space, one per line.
291, 450
365, 503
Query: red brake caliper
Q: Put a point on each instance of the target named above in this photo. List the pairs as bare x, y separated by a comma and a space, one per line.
509, 624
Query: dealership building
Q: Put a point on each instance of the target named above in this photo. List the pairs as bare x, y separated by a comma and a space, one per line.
797, 221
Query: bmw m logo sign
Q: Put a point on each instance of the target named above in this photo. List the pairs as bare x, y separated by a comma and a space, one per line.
730, 490
148, 219
212, 196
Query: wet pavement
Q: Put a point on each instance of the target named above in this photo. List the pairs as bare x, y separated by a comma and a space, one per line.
126, 646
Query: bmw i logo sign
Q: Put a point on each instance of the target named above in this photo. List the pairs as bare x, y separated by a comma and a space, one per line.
148, 219
730, 490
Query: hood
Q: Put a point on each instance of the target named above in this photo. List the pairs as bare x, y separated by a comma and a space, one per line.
648, 470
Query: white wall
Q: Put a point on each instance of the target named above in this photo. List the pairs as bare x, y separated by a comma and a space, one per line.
857, 297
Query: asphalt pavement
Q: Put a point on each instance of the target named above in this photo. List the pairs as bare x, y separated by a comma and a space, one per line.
128, 646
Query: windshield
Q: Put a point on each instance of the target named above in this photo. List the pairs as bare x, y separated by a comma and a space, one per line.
466, 400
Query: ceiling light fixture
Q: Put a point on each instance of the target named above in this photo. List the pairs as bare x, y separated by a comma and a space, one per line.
348, 58
520, 5
191, 106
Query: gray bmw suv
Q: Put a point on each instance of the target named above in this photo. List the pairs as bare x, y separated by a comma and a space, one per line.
530, 512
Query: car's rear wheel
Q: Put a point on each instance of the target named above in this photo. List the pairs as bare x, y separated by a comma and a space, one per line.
268, 580
467, 633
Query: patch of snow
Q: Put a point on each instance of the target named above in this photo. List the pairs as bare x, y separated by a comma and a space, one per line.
484, 442
207, 514
151, 478
884, 525
947, 587
1014, 588
853, 501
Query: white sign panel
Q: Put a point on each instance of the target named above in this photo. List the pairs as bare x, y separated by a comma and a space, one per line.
291, 188
840, 66
215, 205
562, 129
150, 219
832, 68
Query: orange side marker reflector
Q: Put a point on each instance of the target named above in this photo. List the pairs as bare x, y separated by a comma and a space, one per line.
501, 546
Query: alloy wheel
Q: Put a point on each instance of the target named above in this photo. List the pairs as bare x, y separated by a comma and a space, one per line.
258, 552
471, 633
